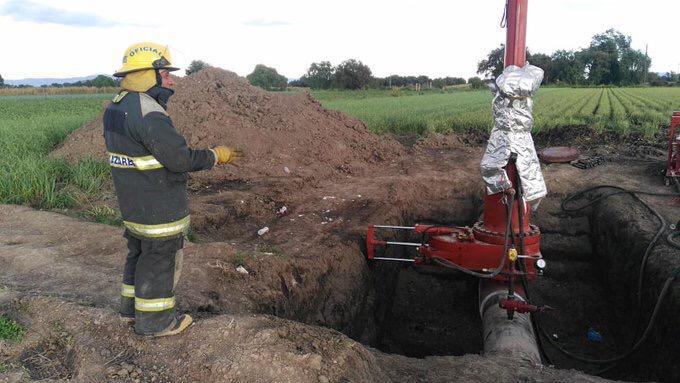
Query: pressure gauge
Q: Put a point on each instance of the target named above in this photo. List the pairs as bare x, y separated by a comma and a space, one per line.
540, 264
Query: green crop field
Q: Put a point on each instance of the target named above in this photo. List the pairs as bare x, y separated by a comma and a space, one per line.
30, 127
618, 110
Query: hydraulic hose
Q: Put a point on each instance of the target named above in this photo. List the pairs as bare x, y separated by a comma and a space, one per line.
523, 269
508, 230
638, 343
633, 193
671, 239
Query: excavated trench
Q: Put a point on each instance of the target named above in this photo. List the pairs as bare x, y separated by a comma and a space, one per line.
424, 311
593, 257
593, 264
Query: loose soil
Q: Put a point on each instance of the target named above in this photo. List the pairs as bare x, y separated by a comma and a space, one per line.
274, 130
334, 177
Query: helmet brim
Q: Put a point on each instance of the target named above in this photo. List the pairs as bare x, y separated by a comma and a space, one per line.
122, 73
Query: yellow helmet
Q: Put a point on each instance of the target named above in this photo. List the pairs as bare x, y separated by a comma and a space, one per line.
145, 55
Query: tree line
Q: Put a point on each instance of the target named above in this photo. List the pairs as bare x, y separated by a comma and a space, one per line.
608, 60
353, 74
350, 74
100, 81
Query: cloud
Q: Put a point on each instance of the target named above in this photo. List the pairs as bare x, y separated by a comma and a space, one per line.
21, 10
266, 23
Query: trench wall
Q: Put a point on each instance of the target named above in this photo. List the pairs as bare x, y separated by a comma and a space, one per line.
621, 229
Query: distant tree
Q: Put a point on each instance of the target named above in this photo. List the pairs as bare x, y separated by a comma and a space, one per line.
447, 81
320, 75
602, 57
567, 67
655, 80
422, 80
102, 81
492, 66
396, 80
267, 78
671, 78
2, 82
633, 65
352, 74
376, 82
610, 60
438, 83
476, 83
454, 80
494, 63
389, 81
544, 62
196, 66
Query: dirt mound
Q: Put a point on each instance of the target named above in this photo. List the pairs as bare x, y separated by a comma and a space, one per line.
275, 130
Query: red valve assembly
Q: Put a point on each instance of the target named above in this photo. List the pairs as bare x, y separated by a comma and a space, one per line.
503, 246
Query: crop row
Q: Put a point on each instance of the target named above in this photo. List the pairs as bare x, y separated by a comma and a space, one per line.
620, 110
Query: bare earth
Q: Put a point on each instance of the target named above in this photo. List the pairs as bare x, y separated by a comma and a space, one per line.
308, 292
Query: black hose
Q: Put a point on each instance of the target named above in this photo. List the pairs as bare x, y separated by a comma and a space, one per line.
674, 243
620, 191
639, 342
508, 229
532, 316
662, 295
671, 239
633, 193
523, 268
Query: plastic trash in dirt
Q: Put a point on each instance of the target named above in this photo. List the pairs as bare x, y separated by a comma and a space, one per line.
282, 211
594, 336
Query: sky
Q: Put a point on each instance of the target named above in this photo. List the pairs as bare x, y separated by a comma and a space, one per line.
69, 38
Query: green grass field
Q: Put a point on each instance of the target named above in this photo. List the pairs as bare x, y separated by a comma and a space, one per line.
30, 127
619, 110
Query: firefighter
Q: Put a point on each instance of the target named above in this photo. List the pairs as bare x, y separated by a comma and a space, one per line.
149, 164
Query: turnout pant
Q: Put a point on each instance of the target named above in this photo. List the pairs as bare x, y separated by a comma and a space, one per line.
152, 269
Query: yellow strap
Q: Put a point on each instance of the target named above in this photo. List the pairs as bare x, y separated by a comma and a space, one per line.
157, 231
128, 291
119, 97
152, 305
122, 161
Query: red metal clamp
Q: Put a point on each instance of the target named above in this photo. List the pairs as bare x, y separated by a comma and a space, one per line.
520, 306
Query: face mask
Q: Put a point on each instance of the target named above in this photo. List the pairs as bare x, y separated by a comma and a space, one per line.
161, 94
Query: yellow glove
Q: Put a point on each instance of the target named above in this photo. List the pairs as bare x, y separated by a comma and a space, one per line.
226, 155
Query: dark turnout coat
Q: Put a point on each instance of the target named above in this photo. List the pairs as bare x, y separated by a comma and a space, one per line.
149, 164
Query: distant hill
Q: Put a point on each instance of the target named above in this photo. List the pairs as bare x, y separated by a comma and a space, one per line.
47, 81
